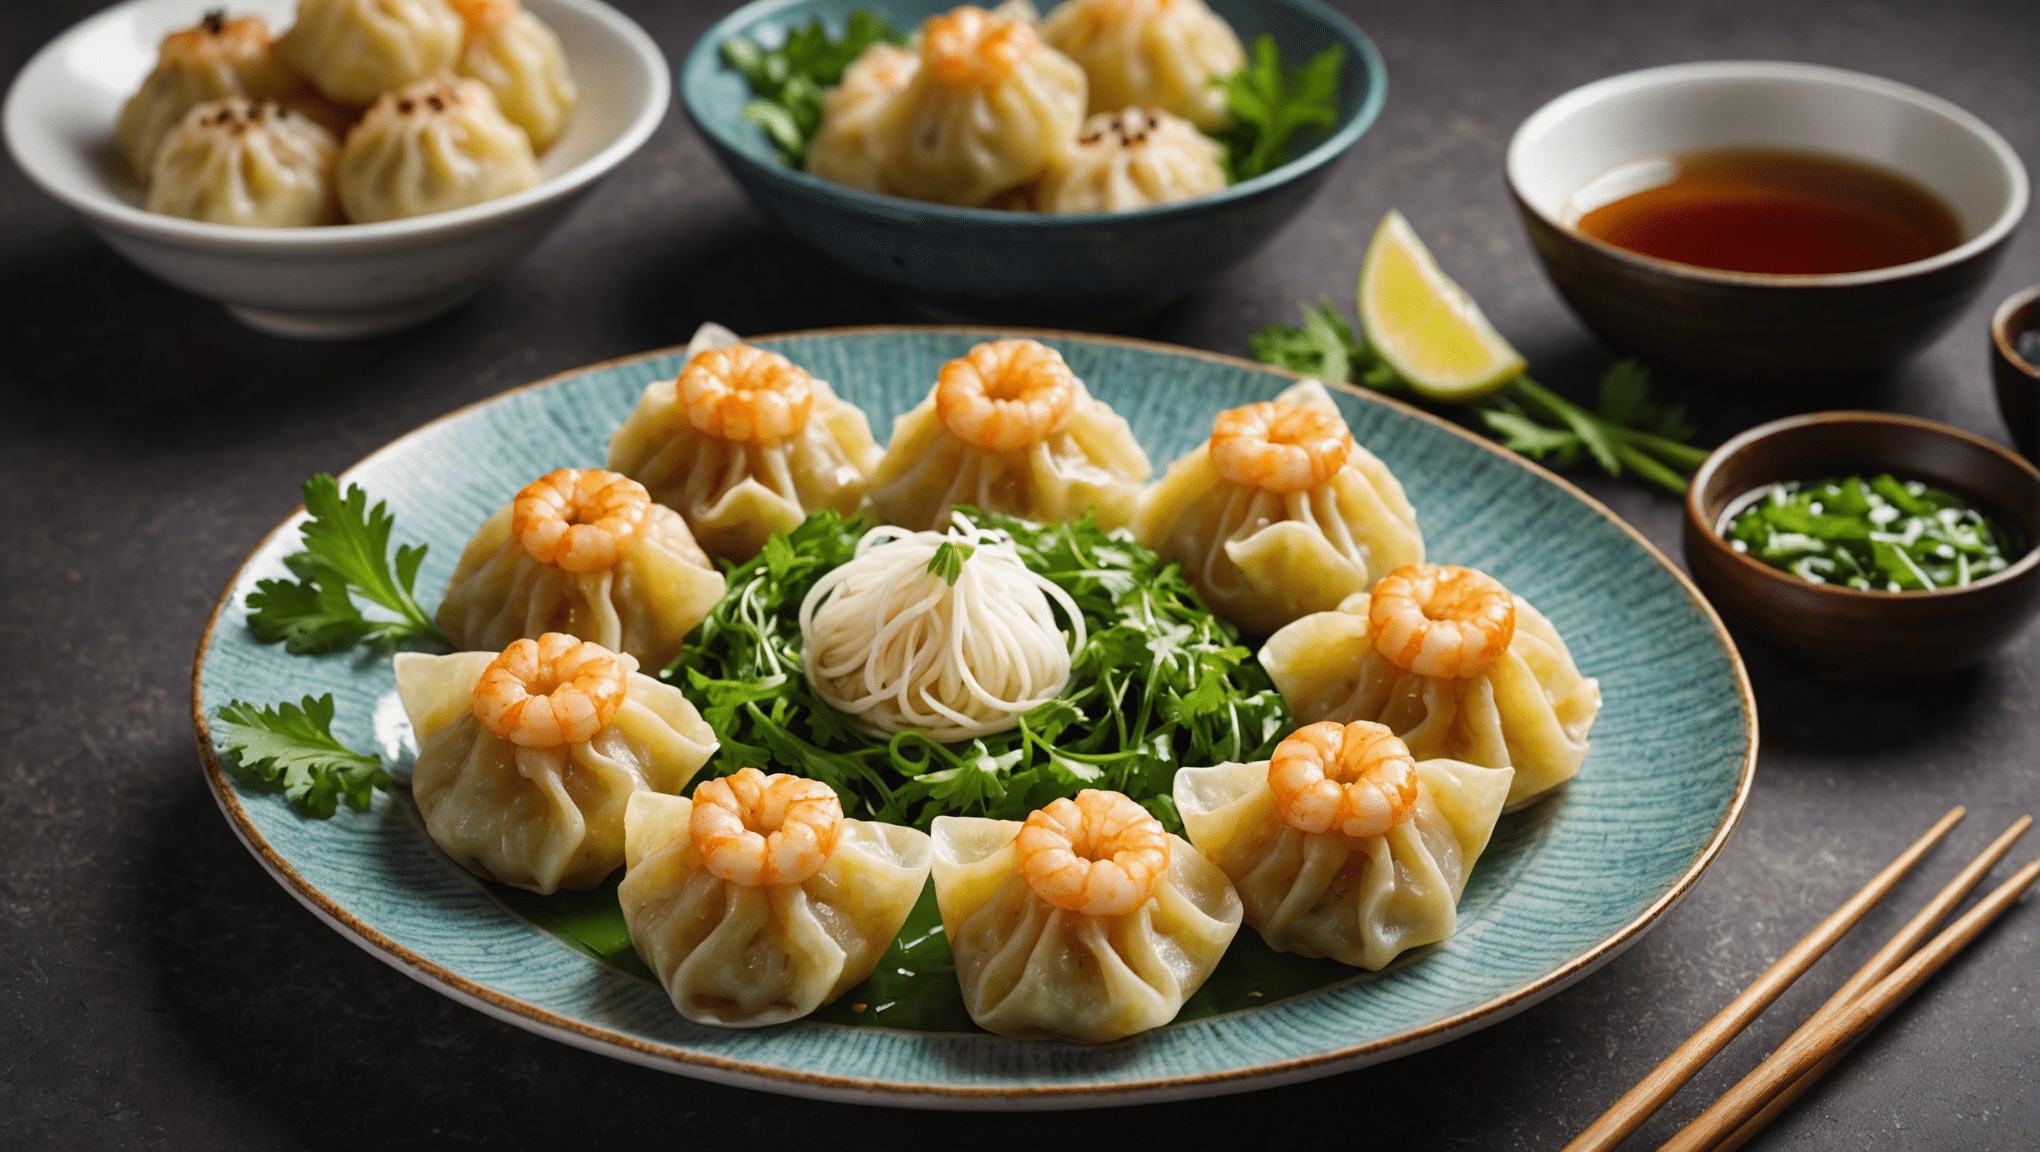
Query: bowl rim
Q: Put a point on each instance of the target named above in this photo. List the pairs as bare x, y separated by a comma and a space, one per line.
1621, 84
1703, 478
2027, 300
103, 210
705, 55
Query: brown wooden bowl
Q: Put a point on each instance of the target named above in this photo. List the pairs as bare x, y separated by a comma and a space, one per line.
2017, 379
1842, 633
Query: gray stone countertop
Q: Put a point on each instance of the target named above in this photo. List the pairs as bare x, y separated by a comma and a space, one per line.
157, 989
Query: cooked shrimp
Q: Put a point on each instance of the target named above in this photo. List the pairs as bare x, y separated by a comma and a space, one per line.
1438, 620
484, 15
1006, 395
1279, 447
757, 830
1353, 779
1101, 854
554, 690
971, 48
746, 395
581, 520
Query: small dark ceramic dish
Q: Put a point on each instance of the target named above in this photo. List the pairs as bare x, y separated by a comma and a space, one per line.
2017, 377
1759, 329
1842, 633
1091, 270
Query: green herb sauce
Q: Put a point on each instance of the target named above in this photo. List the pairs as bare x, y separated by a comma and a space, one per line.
1876, 535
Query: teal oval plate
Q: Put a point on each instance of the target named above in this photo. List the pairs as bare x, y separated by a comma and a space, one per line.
1565, 885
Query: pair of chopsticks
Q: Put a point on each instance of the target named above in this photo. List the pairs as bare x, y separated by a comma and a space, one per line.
1878, 987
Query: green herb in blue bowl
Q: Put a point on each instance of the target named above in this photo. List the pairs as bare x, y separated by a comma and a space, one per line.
751, 86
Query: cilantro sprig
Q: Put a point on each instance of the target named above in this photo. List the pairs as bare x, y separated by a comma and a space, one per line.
291, 748
787, 82
1159, 682
1271, 104
346, 554
1629, 432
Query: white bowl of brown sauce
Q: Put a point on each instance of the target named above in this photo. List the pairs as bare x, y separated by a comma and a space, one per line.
1762, 223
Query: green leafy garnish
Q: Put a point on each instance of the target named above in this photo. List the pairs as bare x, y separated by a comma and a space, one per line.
290, 748
948, 560
1270, 104
1630, 431
1159, 682
787, 82
346, 555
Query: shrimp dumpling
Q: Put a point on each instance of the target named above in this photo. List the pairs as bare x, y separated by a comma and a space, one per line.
255, 165
1280, 514
845, 147
987, 110
215, 59
756, 902
1089, 922
743, 443
432, 146
1132, 159
1153, 53
1341, 845
585, 552
527, 759
356, 50
1009, 428
521, 61
1454, 664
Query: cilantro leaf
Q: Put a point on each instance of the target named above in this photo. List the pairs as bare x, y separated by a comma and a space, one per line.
290, 748
788, 82
948, 560
346, 554
1271, 104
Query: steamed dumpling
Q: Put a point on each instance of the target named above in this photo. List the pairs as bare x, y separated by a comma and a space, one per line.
1152, 53
1309, 887
585, 552
1088, 922
254, 165
356, 50
1009, 428
744, 444
432, 146
1281, 514
527, 759
211, 60
1524, 705
756, 902
519, 58
987, 110
846, 147
1135, 158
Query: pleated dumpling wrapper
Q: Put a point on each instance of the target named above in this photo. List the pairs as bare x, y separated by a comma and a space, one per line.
1132, 159
744, 444
256, 165
1454, 664
846, 148
1169, 54
585, 552
1089, 922
521, 61
356, 50
1280, 513
1009, 428
756, 902
1341, 845
527, 759
432, 146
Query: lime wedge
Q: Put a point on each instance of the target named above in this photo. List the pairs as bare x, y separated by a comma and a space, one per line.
1426, 327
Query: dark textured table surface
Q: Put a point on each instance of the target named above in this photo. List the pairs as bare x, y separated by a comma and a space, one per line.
157, 989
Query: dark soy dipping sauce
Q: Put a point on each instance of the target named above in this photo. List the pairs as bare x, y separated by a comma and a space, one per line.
1775, 211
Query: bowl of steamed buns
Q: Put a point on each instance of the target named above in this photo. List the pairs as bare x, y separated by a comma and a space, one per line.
332, 169
1082, 163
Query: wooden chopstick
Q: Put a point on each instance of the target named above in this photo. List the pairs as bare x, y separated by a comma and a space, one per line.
1887, 958
1802, 1053
1650, 1093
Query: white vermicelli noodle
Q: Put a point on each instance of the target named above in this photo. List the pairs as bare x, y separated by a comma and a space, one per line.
898, 647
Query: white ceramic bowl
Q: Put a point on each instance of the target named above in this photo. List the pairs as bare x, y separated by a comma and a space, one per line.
1591, 145
333, 283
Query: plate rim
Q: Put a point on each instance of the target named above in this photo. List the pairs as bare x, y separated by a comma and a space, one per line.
865, 1090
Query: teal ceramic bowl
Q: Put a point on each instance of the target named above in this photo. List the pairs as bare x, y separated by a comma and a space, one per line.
1566, 884
1091, 270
